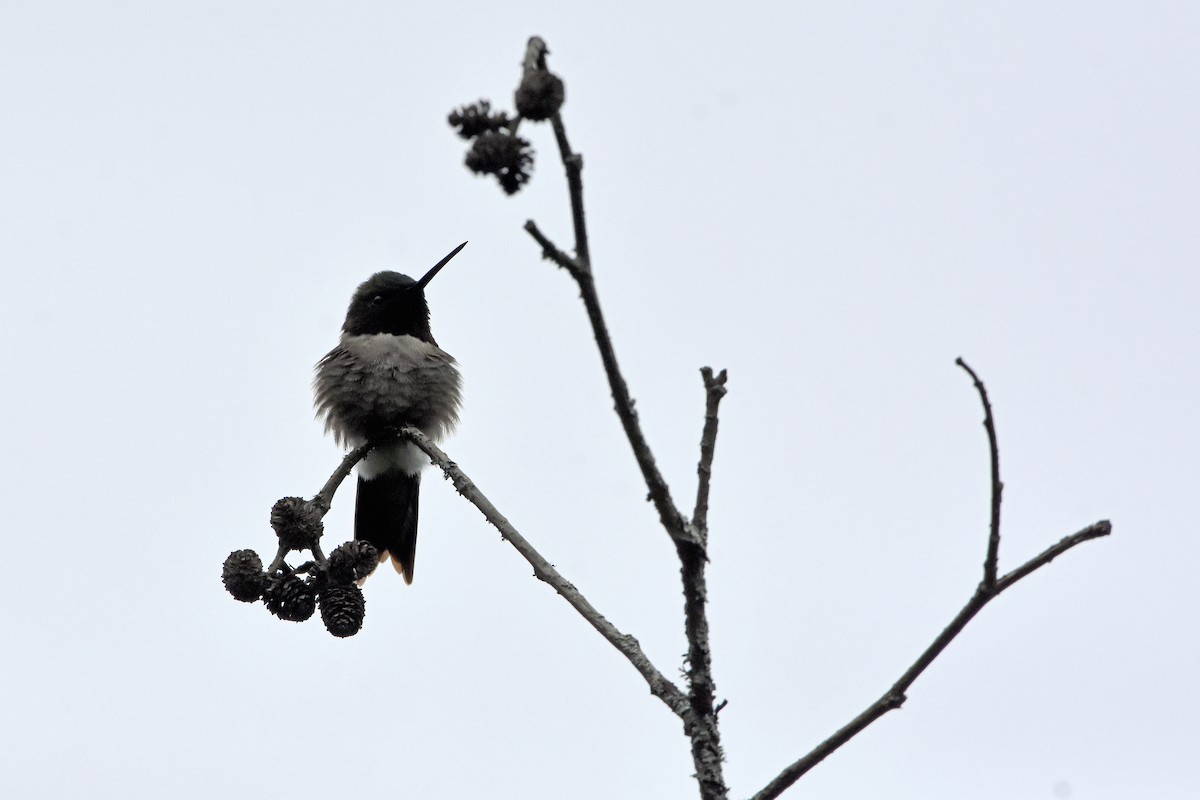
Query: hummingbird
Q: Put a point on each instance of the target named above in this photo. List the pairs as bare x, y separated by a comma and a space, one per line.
387, 371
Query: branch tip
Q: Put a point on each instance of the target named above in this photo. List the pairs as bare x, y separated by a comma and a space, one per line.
991, 561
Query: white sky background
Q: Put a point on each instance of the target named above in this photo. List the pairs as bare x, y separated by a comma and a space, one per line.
832, 201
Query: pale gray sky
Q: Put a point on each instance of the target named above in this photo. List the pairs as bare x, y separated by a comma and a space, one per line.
831, 200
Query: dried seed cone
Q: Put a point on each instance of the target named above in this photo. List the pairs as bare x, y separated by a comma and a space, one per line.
540, 95
297, 523
342, 609
290, 598
507, 157
476, 118
243, 575
352, 562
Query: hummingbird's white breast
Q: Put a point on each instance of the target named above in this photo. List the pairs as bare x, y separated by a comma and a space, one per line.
374, 381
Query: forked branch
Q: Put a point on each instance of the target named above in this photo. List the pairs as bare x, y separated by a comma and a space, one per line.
989, 588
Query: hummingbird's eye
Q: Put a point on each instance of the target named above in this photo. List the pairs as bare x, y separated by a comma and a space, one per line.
377, 300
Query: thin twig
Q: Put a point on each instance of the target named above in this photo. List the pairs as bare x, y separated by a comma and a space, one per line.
551, 252
991, 563
714, 390
660, 686
1101, 528
324, 498
280, 560
573, 163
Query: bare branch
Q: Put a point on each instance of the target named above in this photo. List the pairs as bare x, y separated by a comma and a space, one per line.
895, 696
990, 564
989, 588
672, 520
705, 736
580, 267
714, 390
550, 250
1101, 528
704, 733
573, 162
324, 498
796, 770
628, 646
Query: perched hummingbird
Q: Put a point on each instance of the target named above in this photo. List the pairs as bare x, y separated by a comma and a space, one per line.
387, 371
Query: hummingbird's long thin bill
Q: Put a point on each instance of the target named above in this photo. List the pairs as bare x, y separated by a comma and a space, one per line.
421, 284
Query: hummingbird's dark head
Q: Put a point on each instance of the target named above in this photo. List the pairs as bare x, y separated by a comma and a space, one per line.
389, 302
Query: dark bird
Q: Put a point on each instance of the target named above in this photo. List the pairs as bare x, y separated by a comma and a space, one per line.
387, 371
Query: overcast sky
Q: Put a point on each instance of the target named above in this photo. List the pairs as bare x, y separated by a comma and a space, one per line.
830, 200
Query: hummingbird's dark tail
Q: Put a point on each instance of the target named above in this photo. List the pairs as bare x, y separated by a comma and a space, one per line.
386, 516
